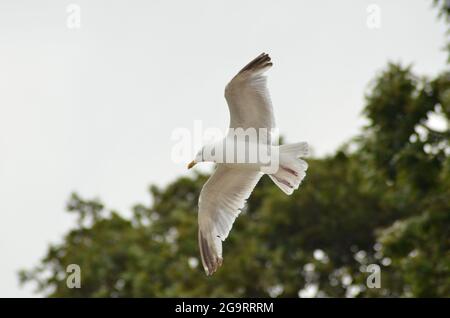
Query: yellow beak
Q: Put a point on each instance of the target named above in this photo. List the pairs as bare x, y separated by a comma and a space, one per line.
191, 164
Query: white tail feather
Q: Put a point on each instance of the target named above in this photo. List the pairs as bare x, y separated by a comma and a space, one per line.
292, 169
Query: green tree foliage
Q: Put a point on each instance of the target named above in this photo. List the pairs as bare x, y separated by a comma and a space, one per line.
383, 198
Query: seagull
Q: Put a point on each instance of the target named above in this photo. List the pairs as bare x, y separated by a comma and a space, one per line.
225, 193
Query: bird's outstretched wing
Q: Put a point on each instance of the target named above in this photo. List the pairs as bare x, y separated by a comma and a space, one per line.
221, 200
248, 98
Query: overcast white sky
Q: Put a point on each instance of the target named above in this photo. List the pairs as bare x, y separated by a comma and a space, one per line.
93, 109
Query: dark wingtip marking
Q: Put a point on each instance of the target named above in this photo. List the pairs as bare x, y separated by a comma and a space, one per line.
263, 60
210, 262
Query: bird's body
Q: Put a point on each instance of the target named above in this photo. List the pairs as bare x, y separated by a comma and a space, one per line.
247, 153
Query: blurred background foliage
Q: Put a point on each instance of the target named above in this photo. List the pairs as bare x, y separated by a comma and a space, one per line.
383, 198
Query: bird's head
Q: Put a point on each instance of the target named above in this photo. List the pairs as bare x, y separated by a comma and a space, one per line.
198, 158
206, 154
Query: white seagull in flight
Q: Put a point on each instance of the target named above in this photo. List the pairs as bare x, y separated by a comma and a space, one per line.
225, 193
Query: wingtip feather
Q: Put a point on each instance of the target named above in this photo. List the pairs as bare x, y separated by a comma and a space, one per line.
261, 62
211, 261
